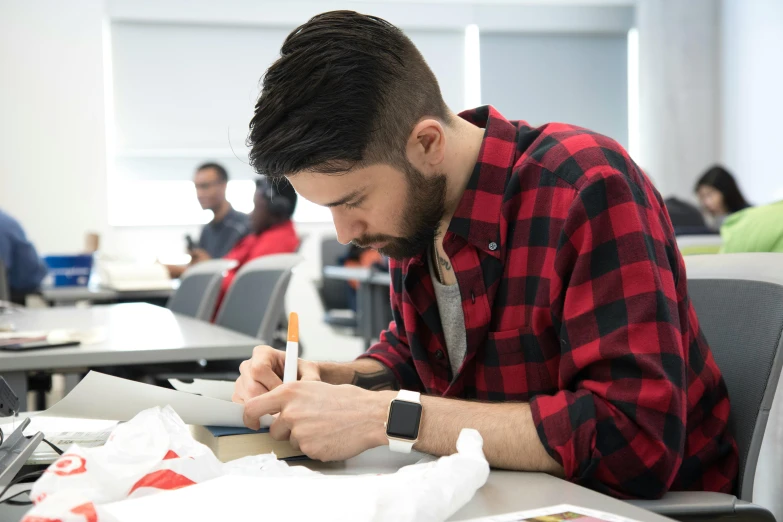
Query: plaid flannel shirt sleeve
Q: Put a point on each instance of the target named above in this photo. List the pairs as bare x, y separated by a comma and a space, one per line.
618, 423
393, 351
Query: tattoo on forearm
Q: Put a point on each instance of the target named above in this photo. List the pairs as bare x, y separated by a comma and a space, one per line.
445, 263
382, 379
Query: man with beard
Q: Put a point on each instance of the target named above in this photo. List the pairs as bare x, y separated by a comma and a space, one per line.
537, 291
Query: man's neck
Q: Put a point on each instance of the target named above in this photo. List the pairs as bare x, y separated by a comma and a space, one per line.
464, 145
221, 212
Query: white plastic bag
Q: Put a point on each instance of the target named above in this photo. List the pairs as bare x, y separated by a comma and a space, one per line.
152, 468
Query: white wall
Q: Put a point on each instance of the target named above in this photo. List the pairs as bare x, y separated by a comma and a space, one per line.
679, 91
752, 83
52, 144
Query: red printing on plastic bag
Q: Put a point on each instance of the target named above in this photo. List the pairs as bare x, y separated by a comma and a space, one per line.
162, 479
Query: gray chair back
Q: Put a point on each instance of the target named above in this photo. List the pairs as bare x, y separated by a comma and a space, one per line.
254, 304
5, 293
739, 302
199, 289
333, 291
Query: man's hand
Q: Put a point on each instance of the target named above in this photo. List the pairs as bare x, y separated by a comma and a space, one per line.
198, 255
327, 422
264, 372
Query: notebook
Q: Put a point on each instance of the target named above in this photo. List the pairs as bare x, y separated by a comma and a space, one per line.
234, 443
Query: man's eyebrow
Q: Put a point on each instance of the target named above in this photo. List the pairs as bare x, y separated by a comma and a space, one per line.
345, 199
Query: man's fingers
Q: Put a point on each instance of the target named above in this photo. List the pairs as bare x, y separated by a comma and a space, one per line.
262, 405
293, 442
279, 430
308, 372
262, 372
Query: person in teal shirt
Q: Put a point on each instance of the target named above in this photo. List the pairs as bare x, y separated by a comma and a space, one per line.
755, 229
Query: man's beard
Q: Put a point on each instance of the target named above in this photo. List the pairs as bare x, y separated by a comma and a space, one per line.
421, 217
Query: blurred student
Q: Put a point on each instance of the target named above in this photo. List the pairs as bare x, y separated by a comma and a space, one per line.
227, 227
719, 195
271, 228
756, 229
24, 270
361, 257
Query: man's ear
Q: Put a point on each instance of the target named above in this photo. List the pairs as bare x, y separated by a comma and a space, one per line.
426, 147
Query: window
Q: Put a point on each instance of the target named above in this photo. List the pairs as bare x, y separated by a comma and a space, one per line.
184, 94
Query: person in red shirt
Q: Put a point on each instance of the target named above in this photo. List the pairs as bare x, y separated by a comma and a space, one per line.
537, 290
271, 228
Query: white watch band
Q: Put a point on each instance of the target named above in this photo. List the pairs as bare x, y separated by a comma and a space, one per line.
404, 446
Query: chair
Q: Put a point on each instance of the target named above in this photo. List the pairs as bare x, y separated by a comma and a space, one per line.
254, 303
199, 288
739, 301
334, 292
5, 292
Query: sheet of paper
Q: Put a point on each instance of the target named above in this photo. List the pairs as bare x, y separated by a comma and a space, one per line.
235, 497
222, 390
62, 433
560, 513
101, 396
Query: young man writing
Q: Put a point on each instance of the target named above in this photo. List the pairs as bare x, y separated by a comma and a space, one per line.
537, 291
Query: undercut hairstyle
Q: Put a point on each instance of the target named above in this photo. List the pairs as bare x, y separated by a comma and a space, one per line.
221, 172
345, 93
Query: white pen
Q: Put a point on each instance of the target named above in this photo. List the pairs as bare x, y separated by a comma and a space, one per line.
291, 349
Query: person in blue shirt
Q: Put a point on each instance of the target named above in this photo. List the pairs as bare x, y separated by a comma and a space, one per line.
24, 270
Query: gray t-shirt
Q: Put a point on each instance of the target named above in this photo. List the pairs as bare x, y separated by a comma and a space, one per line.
452, 318
219, 237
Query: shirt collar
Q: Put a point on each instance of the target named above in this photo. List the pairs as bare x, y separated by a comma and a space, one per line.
478, 214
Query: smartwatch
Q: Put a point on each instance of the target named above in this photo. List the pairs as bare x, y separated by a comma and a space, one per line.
402, 424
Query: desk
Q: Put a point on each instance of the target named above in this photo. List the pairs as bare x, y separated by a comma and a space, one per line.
67, 295
504, 492
135, 333
372, 295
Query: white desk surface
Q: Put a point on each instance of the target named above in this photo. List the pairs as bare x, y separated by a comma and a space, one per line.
363, 275
504, 492
99, 293
134, 333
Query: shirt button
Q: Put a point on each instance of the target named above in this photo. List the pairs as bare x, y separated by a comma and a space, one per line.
493, 246
439, 355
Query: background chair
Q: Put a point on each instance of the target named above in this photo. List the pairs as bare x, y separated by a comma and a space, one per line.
254, 303
739, 301
199, 288
5, 292
334, 292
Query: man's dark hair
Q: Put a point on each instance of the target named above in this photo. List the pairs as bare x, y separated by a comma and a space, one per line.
346, 92
721, 179
221, 172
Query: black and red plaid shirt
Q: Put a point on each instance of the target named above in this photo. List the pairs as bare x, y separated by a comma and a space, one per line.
575, 300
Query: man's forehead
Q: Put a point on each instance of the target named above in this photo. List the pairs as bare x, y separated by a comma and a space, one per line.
324, 189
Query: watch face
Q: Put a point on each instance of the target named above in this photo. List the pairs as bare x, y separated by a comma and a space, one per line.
404, 420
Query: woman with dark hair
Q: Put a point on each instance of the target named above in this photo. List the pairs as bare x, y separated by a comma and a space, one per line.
719, 195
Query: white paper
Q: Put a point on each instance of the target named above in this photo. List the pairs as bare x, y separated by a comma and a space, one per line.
222, 390
552, 511
60, 432
101, 396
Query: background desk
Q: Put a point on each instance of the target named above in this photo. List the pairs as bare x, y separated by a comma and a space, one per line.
372, 298
68, 295
134, 333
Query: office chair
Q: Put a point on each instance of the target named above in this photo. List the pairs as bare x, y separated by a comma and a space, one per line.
199, 289
739, 302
